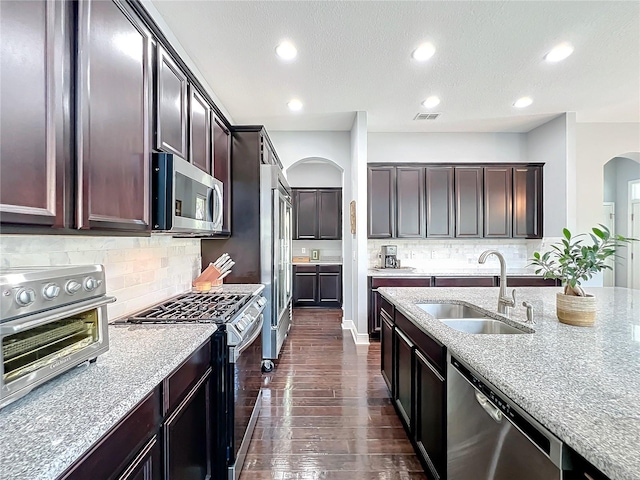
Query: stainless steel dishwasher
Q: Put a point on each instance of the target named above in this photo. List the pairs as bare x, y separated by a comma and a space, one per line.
489, 437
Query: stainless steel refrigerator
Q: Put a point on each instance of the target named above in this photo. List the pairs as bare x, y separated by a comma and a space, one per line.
261, 232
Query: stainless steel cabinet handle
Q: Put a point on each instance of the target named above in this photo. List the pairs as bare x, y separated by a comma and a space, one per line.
493, 412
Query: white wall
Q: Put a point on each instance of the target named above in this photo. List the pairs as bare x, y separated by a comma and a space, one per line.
305, 174
446, 147
294, 147
596, 144
549, 143
140, 271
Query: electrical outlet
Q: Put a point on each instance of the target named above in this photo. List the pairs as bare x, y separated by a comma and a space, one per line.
304, 250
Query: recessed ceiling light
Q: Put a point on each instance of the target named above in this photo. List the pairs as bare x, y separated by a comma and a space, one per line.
294, 105
286, 50
431, 102
424, 52
523, 102
559, 52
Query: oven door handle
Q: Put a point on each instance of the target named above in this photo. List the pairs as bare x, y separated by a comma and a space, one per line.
19, 324
241, 348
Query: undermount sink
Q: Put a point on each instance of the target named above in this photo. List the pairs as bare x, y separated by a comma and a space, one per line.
467, 319
480, 326
451, 310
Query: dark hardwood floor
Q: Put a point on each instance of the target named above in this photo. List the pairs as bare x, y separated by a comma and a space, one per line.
326, 411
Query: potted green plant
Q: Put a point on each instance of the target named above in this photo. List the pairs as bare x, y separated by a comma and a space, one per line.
573, 262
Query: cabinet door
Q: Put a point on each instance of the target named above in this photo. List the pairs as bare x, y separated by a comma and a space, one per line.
34, 66
404, 377
222, 168
497, 202
468, 187
527, 202
305, 286
431, 417
381, 202
113, 135
187, 436
440, 217
305, 214
330, 214
386, 350
147, 465
410, 202
200, 131
171, 105
330, 286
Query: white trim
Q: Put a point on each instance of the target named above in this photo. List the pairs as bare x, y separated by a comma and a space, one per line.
631, 282
610, 274
358, 338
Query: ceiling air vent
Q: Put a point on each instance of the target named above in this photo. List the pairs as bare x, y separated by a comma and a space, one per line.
426, 116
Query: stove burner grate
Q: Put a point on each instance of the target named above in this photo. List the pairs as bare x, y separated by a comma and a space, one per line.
194, 307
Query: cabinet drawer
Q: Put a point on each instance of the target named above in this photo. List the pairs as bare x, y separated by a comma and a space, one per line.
532, 281
400, 282
178, 383
464, 282
304, 268
387, 307
329, 268
431, 348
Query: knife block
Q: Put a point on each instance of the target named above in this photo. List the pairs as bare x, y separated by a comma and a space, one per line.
210, 277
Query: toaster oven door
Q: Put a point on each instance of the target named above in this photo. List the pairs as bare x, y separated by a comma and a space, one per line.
36, 348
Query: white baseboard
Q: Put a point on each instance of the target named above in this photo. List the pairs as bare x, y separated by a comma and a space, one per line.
358, 338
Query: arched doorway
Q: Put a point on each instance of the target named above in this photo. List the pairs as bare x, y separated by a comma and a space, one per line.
621, 204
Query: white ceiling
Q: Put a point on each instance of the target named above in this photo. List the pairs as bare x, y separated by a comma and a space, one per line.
356, 56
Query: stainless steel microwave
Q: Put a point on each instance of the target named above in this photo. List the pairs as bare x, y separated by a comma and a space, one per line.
185, 198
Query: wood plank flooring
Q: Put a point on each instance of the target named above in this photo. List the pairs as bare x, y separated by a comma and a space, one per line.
326, 411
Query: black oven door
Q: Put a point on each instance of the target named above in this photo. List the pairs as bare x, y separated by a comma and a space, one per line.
185, 199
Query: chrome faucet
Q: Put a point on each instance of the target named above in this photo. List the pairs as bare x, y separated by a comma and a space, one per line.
504, 301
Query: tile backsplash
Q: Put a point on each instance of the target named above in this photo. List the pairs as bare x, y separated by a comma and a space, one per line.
460, 255
140, 271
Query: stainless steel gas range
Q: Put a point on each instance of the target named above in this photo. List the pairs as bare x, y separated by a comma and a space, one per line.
236, 389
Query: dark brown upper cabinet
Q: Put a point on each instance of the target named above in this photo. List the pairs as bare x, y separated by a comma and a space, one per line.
171, 105
527, 202
329, 214
439, 202
34, 141
317, 213
200, 130
468, 194
497, 202
113, 117
222, 168
410, 202
381, 201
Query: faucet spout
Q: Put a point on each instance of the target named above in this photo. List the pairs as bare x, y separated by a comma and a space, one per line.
504, 301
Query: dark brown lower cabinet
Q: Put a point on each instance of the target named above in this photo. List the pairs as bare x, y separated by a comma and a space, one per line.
187, 436
386, 350
147, 466
317, 286
464, 282
403, 369
431, 418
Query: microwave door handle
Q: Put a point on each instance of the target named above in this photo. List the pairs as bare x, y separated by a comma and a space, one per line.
218, 208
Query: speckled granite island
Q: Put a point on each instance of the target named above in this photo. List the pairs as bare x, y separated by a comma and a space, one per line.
45, 432
583, 384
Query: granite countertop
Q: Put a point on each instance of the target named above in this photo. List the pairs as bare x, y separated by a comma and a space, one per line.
582, 383
46, 431
459, 272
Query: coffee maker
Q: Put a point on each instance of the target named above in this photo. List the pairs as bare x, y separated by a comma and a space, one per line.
390, 256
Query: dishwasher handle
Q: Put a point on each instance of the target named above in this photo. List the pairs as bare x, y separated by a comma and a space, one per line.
493, 412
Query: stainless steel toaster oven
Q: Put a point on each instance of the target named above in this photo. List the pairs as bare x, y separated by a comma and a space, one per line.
51, 319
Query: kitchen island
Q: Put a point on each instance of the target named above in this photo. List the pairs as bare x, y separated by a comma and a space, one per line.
583, 384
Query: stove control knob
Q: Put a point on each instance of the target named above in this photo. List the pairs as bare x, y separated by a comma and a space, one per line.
72, 287
90, 284
240, 325
25, 297
51, 291
262, 301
